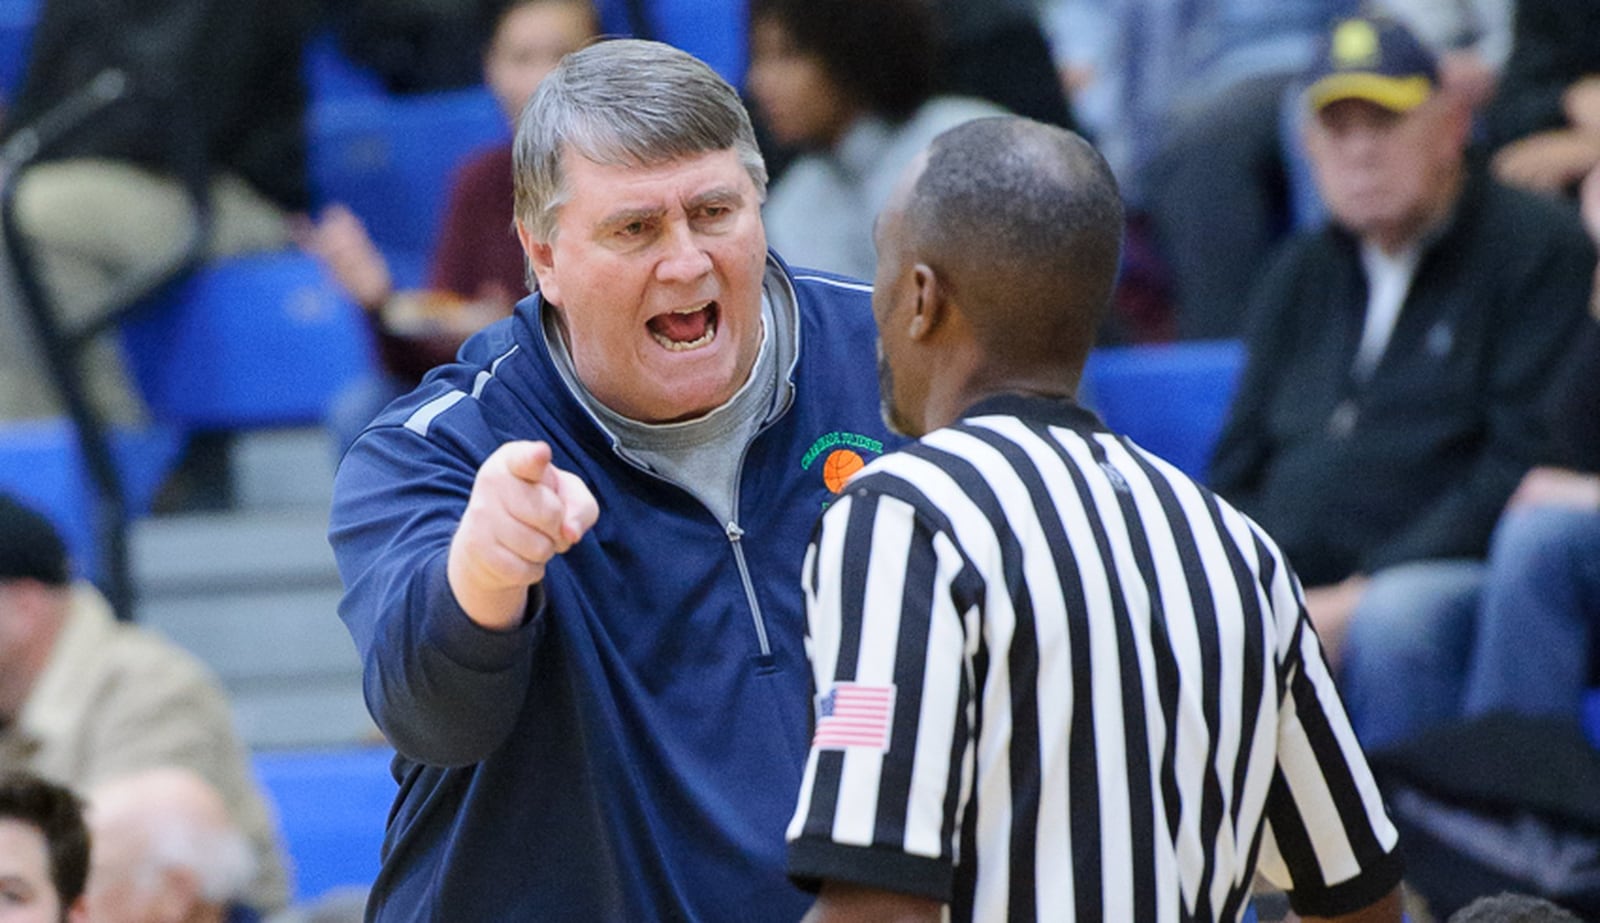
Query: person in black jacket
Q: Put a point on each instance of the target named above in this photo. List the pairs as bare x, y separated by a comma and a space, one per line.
201, 99
1397, 360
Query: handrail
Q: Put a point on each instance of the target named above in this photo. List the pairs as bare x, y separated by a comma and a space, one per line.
63, 348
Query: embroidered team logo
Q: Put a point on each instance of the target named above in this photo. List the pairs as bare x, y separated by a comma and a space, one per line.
854, 715
842, 455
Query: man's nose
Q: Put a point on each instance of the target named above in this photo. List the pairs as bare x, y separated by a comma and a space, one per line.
684, 258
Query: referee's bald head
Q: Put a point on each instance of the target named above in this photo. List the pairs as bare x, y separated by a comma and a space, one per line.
1023, 223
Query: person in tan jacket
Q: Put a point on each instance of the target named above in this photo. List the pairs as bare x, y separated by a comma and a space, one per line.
84, 699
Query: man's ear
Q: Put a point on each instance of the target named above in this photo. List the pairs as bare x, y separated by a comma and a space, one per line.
541, 262
932, 305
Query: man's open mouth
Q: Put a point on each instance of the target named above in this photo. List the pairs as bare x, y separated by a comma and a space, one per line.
686, 328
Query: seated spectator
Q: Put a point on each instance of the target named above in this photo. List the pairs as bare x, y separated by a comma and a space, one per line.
213, 109
853, 84
165, 851
478, 271
1397, 358
84, 698
1527, 619
1544, 124
44, 852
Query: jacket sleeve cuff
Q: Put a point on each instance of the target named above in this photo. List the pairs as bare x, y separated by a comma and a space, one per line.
455, 635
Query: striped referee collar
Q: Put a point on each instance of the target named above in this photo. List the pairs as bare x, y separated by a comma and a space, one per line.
1055, 411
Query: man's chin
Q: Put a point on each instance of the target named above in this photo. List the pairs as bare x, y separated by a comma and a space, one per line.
897, 422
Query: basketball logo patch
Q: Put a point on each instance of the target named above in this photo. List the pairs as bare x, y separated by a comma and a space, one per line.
840, 455
840, 465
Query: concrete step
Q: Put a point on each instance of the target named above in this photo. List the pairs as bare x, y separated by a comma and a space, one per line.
254, 593
280, 469
199, 553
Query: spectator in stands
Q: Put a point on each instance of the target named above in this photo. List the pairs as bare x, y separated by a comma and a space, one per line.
84, 698
853, 84
1544, 124
44, 852
212, 110
1524, 623
1397, 357
478, 270
1195, 139
1540, 611
165, 851
606, 726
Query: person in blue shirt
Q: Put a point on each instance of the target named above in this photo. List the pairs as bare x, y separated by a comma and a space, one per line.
572, 558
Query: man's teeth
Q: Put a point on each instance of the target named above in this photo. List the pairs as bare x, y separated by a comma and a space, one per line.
699, 341
685, 345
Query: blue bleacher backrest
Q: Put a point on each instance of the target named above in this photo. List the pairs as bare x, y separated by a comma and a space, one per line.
391, 159
330, 73
1171, 398
16, 35
42, 466
711, 30
248, 341
332, 807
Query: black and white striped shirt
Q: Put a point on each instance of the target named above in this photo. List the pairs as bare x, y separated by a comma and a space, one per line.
1058, 680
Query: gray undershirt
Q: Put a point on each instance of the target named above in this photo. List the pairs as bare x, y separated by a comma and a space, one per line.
702, 455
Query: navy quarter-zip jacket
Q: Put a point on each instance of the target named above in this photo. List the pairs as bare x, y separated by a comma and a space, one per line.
633, 751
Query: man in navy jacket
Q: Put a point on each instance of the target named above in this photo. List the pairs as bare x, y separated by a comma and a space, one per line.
599, 707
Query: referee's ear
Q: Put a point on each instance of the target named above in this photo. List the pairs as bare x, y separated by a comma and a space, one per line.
932, 302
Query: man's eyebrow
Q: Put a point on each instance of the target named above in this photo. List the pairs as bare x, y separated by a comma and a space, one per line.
712, 196
629, 215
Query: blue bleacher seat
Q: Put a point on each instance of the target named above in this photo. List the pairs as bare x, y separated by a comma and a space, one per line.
250, 341
41, 465
391, 159
332, 806
1171, 398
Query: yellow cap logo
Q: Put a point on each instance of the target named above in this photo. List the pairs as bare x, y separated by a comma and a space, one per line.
1355, 44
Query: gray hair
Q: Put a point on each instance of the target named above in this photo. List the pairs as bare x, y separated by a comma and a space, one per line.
624, 102
219, 858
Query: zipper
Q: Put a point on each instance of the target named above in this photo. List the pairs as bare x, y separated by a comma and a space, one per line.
735, 535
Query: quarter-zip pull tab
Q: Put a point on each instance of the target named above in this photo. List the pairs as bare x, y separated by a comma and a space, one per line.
734, 532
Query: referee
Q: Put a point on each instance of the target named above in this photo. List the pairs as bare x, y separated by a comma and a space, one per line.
1057, 680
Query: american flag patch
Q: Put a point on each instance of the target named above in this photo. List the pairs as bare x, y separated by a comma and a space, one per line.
854, 715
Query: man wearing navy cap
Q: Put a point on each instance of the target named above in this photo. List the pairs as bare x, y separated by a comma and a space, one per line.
1397, 358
